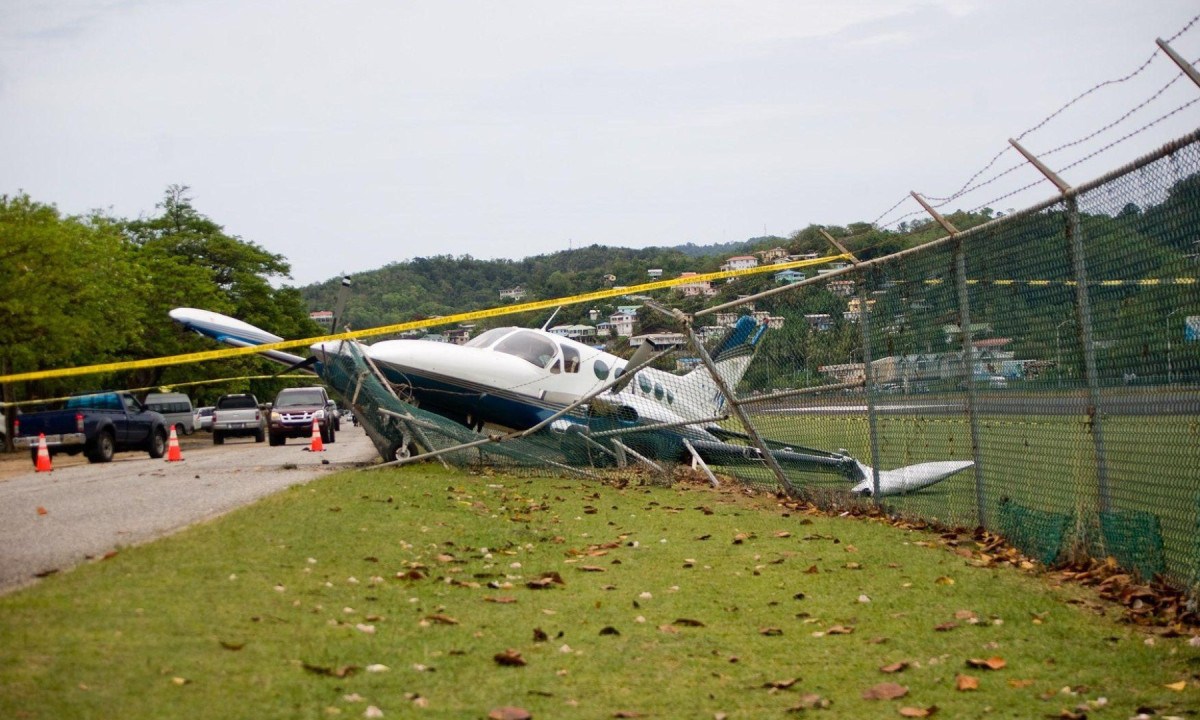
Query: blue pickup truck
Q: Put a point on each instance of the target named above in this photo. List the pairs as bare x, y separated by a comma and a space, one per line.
97, 424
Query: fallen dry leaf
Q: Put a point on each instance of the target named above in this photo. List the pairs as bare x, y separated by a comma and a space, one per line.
687, 622
339, 672
917, 712
781, 684
509, 658
441, 619
770, 631
945, 580
1018, 684
840, 630
884, 691
946, 626
1177, 686
992, 663
966, 682
894, 667
509, 713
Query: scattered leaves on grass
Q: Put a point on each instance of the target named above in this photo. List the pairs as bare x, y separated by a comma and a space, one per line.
916, 712
440, 619
509, 658
840, 630
992, 663
770, 631
1177, 686
501, 599
895, 667
944, 580
509, 712
781, 684
946, 626
966, 682
884, 691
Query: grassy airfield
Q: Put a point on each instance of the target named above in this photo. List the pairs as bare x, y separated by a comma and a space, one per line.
426, 593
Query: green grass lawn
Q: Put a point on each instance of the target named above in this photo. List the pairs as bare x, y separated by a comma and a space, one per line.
1043, 462
397, 590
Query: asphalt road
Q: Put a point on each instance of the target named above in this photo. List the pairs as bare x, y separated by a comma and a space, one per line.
50, 522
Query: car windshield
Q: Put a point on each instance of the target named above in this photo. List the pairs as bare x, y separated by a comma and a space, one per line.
292, 398
236, 402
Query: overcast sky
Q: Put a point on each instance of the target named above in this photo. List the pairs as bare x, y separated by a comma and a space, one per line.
347, 135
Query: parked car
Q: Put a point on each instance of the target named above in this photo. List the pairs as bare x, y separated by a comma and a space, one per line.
295, 409
238, 415
203, 419
96, 424
176, 408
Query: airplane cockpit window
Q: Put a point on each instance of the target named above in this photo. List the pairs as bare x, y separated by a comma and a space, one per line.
530, 347
570, 358
488, 337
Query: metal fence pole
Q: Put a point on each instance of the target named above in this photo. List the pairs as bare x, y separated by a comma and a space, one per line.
968, 353
1083, 313
1083, 325
968, 350
869, 383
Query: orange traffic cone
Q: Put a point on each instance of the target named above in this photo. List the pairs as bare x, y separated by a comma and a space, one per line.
43, 456
317, 444
173, 453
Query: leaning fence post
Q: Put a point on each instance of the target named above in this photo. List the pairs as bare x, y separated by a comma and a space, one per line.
1083, 326
868, 371
968, 354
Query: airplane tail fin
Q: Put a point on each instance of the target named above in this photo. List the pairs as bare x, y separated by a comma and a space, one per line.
732, 358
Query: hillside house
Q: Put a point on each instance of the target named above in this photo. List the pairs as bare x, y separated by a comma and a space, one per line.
693, 289
841, 288
787, 277
740, 262
819, 322
515, 294
622, 323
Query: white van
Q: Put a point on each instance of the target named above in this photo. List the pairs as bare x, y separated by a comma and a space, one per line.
176, 408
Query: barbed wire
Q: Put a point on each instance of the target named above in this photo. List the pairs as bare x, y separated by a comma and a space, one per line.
971, 185
1140, 130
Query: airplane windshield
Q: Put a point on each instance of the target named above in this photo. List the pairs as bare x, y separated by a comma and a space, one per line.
488, 337
529, 346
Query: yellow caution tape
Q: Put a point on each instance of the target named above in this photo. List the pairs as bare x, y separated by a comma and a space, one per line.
413, 325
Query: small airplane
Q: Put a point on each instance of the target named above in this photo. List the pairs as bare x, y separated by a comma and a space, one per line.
518, 378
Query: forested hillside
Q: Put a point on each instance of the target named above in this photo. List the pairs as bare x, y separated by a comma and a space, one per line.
81, 290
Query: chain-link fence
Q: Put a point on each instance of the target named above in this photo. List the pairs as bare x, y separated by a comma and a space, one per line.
1038, 375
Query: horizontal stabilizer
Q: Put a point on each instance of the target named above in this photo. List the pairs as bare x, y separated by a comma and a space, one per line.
908, 479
